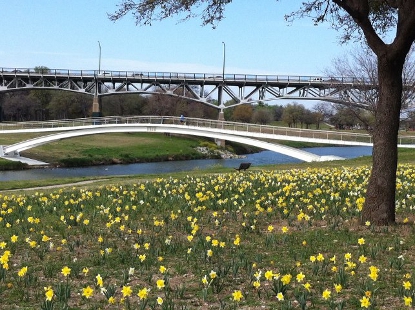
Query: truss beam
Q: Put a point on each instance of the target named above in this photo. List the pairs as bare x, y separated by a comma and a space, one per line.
204, 88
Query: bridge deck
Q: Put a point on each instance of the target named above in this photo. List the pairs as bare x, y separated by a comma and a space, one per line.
242, 128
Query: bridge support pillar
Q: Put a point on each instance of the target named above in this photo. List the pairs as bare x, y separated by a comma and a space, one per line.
220, 142
96, 106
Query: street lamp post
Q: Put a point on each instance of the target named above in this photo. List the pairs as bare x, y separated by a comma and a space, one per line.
96, 103
99, 61
223, 68
221, 117
220, 99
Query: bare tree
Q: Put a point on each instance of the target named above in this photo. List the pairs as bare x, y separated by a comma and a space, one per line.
368, 19
242, 113
262, 115
20, 107
325, 109
361, 64
293, 114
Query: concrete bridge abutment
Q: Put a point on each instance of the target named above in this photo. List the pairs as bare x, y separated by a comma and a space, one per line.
221, 142
96, 106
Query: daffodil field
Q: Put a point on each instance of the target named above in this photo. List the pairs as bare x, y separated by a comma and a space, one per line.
252, 240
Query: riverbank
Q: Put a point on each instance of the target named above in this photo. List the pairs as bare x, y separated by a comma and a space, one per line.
124, 148
262, 160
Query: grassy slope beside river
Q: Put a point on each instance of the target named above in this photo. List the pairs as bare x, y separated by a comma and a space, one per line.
108, 149
118, 148
111, 148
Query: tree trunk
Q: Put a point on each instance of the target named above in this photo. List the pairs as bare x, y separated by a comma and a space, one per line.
379, 208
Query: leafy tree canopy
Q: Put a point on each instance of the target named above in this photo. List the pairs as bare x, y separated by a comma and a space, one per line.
349, 16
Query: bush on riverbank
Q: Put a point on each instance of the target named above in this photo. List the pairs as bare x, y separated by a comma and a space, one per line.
126, 159
7, 165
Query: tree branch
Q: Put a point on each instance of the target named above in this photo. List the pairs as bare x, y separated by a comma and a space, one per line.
147, 11
359, 10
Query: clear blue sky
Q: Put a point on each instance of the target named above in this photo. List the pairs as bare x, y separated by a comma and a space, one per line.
65, 35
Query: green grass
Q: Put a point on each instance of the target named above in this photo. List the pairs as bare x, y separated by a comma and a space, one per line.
121, 147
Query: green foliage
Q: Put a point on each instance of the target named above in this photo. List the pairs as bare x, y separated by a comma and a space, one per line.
12, 165
210, 145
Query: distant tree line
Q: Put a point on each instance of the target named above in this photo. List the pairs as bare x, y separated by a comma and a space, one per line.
41, 105
297, 115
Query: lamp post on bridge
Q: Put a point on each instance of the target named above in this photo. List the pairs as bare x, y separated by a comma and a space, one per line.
220, 89
99, 59
224, 58
221, 116
96, 112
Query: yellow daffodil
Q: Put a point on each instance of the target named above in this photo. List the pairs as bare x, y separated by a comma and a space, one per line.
286, 279
126, 291
66, 271
326, 294
237, 295
300, 277
365, 302
407, 285
87, 292
143, 293
22, 272
407, 300
269, 275
213, 274
100, 281
307, 286
49, 293
338, 288
160, 284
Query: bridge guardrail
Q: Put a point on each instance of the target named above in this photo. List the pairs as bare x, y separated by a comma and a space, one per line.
198, 122
183, 76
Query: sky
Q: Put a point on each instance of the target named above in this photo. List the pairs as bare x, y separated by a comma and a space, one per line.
257, 39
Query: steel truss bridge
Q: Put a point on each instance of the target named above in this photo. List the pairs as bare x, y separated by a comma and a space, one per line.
209, 89
262, 136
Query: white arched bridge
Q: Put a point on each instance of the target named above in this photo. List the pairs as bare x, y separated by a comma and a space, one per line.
262, 136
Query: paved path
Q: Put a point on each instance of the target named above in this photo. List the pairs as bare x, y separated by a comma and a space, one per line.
54, 186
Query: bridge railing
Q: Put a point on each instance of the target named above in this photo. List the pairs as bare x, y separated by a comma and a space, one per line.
181, 76
284, 131
263, 131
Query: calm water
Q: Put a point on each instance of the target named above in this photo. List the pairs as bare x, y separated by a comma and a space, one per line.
262, 158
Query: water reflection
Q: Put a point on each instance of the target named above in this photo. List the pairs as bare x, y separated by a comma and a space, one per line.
257, 159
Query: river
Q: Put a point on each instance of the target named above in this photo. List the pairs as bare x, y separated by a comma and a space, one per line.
257, 159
